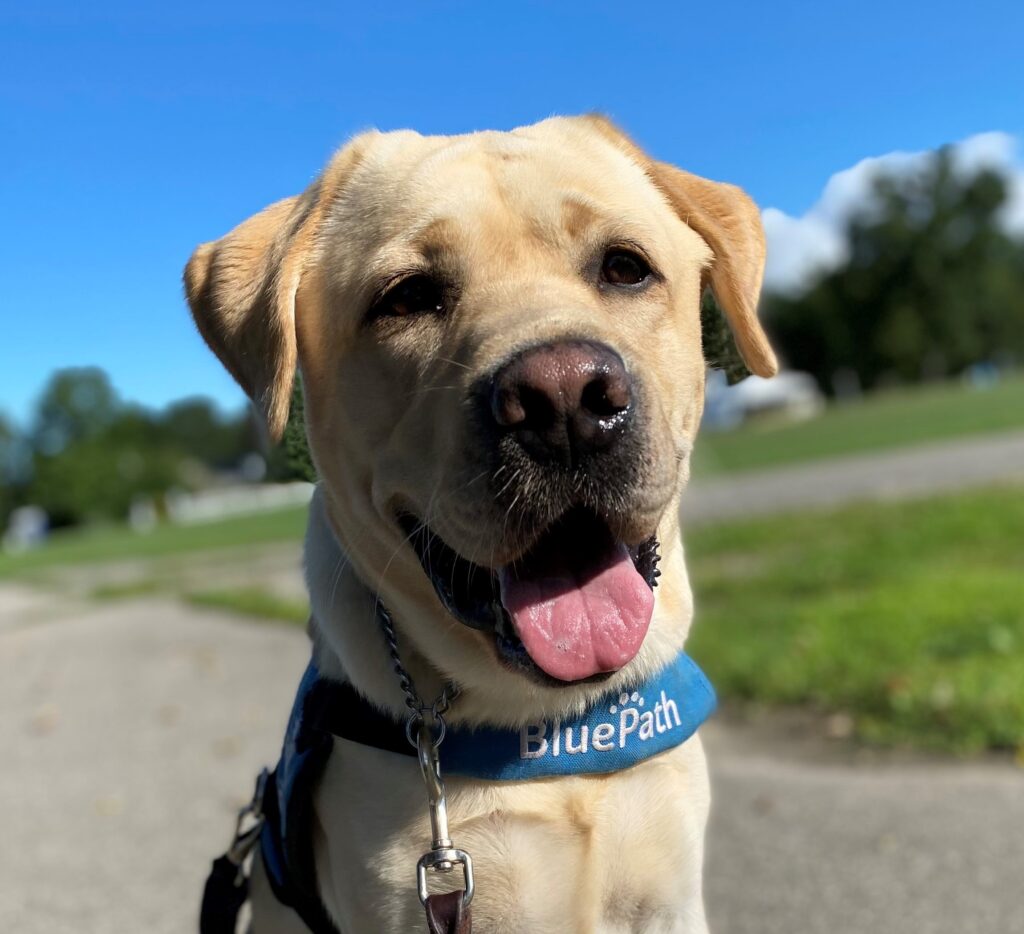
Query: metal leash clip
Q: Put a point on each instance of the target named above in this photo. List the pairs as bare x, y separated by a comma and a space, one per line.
443, 856
248, 826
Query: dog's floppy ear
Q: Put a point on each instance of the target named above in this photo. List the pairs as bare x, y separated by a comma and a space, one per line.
242, 289
730, 223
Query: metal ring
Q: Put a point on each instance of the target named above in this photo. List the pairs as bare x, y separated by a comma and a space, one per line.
414, 719
417, 719
442, 729
455, 857
430, 769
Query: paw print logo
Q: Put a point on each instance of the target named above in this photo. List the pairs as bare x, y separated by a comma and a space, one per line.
624, 699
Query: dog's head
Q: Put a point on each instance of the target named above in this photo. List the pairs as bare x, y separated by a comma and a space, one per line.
499, 342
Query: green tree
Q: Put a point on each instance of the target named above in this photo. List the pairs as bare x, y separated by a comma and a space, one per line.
99, 478
8, 439
717, 341
196, 428
932, 285
91, 455
8, 448
76, 404
292, 460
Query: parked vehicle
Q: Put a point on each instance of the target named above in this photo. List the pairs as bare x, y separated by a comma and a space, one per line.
790, 394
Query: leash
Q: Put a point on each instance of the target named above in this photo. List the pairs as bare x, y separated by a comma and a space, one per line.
227, 886
425, 729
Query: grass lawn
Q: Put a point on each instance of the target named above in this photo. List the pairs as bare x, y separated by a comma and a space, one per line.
907, 617
116, 543
883, 420
253, 602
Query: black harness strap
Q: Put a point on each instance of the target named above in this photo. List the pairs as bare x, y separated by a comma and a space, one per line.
286, 844
322, 710
223, 897
293, 874
285, 841
330, 710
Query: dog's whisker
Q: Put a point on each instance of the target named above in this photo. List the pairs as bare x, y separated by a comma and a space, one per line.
421, 390
343, 562
454, 363
421, 525
511, 480
470, 482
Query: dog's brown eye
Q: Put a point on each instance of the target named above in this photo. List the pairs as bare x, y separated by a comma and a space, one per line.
624, 267
413, 296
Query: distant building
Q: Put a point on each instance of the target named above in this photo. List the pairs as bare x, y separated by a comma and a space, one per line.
790, 395
237, 500
26, 528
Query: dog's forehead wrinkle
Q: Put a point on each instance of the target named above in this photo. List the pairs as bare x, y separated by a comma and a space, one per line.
578, 213
401, 177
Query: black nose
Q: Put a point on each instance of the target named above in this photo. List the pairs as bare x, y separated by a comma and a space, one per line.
564, 401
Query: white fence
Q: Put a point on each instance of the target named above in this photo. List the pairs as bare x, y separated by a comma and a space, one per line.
221, 502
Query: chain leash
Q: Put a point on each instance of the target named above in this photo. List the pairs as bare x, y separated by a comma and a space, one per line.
417, 708
425, 730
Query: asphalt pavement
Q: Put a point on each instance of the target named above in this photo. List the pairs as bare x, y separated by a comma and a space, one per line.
903, 473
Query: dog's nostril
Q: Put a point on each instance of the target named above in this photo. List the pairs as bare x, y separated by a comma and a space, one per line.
604, 398
538, 406
507, 407
523, 406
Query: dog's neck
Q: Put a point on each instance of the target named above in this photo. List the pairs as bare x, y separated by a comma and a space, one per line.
347, 640
349, 644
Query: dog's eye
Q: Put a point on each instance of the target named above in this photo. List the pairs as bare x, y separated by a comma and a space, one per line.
415, 295
624, 267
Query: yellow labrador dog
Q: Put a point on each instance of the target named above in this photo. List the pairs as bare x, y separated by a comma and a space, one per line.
499, 340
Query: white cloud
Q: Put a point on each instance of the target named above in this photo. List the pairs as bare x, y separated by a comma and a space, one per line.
799, 248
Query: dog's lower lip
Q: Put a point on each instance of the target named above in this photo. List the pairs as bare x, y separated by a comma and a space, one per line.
470, 592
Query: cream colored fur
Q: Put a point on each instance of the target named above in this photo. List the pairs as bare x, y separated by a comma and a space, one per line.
514, 216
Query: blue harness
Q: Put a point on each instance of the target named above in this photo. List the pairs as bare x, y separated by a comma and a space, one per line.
617, 732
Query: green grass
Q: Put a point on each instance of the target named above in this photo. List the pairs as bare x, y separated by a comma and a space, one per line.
909, 617
883, 420
253, 602
126, 591
117, 543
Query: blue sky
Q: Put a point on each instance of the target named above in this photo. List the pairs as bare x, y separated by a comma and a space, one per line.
130, 132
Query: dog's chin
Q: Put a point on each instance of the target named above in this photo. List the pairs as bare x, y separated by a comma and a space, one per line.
572, 609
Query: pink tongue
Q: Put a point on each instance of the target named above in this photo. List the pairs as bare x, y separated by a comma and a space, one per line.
576, 628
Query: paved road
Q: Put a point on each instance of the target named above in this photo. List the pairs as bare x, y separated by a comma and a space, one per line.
801, 842
131, 732
887, 475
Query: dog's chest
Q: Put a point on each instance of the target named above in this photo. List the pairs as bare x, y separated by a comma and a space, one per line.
601, 854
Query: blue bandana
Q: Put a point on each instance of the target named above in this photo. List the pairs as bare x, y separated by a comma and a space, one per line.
619, 731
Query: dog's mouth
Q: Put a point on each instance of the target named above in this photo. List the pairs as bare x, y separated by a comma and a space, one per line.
575, 607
